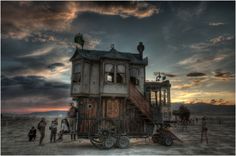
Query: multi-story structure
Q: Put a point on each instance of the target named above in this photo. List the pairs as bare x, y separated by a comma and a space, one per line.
112, 84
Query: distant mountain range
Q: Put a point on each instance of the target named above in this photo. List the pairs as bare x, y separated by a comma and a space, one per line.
200, 108
49, 113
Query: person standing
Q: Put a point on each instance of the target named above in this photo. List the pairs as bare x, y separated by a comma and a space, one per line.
204, 130
53, 129
64, 129
41, 127
72, 115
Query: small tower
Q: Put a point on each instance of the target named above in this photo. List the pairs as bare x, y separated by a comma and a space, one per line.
140, 48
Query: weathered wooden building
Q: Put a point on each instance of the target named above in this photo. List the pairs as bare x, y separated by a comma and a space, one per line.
112, 84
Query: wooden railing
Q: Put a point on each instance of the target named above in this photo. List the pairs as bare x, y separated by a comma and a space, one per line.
139, 100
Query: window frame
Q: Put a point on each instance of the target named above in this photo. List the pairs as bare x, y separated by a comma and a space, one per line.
77, 75
123, 73
106, 73
115, 72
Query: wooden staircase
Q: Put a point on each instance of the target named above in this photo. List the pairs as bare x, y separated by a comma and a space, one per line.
139, 101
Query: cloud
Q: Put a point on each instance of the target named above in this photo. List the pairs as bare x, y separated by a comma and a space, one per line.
22, 20
196, 74
215, 24
193, 83
191, 12
223, 75
220, 39
32, 91
123, 9
169, 75
37, 62
39, 52
202, 61
53, 66
211, 43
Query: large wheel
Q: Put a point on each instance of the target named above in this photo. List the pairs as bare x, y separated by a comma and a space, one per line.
103, 133
109, 142
168, 141
122, 142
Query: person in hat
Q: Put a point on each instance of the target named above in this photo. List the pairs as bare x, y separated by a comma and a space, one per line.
204, 130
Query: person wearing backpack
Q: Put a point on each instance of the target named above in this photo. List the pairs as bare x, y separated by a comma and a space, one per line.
72, 115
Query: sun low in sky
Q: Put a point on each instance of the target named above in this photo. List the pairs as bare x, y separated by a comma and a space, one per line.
193, 43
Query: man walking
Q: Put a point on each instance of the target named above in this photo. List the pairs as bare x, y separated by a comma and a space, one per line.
41, 127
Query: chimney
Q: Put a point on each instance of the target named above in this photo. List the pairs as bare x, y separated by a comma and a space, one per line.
140, 48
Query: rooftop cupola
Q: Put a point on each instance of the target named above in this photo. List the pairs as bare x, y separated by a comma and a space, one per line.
140, 48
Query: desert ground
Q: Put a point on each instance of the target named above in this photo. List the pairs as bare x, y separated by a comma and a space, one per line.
14, 140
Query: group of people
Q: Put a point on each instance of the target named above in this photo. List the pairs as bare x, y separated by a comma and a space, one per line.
68, 126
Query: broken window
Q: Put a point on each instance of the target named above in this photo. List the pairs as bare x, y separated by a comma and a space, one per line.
77, 73
109, 72
120, 74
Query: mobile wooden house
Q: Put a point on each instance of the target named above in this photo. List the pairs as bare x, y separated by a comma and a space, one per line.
111, 90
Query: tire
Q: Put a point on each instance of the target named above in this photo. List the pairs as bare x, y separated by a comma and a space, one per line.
109, 142
123, 142
168, 141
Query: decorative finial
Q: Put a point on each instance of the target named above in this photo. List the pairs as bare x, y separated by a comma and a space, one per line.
140, 48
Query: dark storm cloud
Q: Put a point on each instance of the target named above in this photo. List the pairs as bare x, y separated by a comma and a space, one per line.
20, 86
57, 16
25, 92
53, 66
169, 74
196, 74
37, 62
224, 75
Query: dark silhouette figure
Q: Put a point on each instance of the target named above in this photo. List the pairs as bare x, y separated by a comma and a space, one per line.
41, 127
53, 129
72, 117
32, 134
204, 130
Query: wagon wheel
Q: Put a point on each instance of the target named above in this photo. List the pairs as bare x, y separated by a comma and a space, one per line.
103, 133
168, 141
122, 142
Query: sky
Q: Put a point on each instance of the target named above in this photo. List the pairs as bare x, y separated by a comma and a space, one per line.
192, 43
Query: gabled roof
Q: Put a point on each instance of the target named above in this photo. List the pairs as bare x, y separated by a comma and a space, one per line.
96, 55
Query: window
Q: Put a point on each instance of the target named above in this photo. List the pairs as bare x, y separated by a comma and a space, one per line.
112, 76
120, 76
76, 73
109, 72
